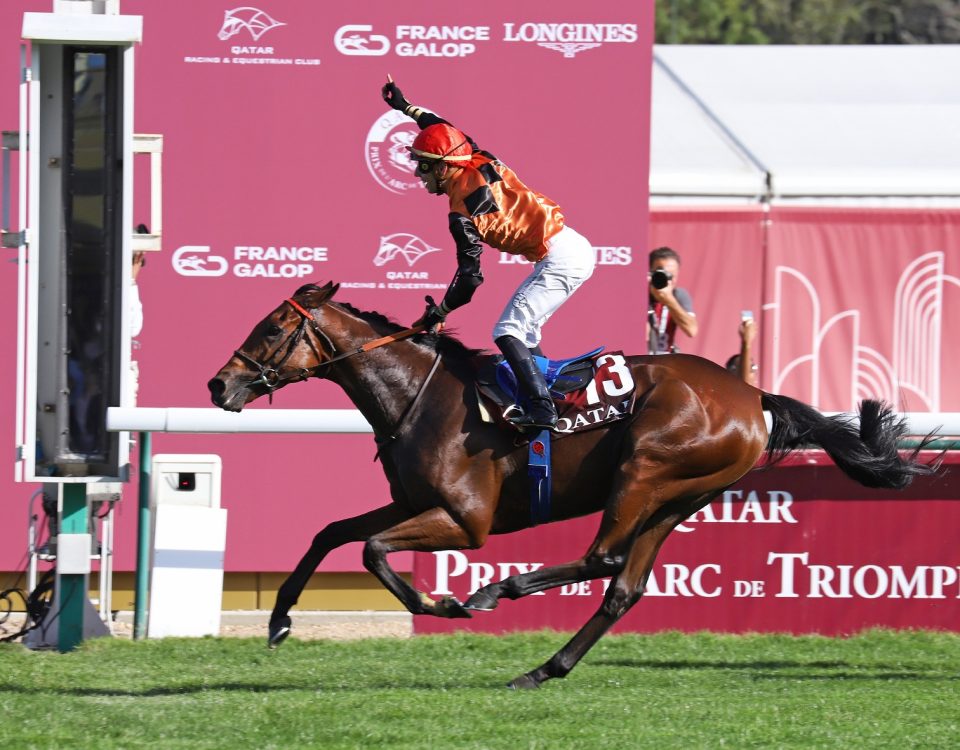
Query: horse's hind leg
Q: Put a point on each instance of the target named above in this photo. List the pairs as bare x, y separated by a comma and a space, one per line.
627, 512
589, 567
332, 536
624, 591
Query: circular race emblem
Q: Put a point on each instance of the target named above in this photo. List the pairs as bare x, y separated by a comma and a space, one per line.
386, 150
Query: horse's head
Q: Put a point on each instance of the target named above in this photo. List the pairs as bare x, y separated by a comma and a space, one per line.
285, 347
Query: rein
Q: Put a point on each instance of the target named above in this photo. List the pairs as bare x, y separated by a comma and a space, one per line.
271, 379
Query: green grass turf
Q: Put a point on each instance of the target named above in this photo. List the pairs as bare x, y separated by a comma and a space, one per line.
876, 690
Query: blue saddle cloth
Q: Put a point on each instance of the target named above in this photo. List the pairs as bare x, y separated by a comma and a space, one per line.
562, 376
553, 371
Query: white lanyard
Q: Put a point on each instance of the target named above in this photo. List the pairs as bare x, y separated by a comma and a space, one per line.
660, 327
664, 317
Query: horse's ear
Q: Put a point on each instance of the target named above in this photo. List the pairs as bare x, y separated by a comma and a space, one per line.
314, 296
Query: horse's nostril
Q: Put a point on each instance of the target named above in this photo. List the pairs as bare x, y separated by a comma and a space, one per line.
217, 387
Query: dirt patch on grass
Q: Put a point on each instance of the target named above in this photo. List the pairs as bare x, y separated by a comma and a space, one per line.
307, 626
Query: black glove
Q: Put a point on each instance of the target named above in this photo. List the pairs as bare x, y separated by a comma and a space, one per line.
432, 318
393, 96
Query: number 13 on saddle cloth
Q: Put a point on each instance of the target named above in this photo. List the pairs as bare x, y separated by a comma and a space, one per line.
589, 392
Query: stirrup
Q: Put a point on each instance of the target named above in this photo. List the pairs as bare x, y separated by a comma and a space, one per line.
526, 422
513, 412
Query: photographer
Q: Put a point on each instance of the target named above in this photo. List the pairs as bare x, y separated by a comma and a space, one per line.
669, 306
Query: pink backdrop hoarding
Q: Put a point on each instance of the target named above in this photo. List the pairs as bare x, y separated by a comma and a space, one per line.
863, 304
799, 549
850, 302
282, 166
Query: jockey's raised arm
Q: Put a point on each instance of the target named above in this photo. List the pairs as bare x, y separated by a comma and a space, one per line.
490, 205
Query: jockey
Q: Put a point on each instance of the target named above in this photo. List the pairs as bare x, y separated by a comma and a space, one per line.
490, 205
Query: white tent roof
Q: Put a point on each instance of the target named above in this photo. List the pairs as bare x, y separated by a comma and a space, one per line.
814, 121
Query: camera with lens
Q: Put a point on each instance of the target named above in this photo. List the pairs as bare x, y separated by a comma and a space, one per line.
660, 278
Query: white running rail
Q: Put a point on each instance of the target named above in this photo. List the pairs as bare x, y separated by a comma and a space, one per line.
174, 419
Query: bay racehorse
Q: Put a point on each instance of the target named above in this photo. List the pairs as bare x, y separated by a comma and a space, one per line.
455, 479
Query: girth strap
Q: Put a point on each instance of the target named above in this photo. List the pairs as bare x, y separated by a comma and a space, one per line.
398, 427
541, 483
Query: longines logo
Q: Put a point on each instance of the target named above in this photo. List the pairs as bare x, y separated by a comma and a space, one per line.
386, 152
243, 28
607, 255
569, 49
570, 38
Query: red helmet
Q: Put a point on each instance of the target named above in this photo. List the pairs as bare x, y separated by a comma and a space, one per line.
442, 142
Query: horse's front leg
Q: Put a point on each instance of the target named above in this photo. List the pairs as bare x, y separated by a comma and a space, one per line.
430, 531
336, 534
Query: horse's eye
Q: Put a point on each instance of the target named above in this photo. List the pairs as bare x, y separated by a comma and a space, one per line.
274, 330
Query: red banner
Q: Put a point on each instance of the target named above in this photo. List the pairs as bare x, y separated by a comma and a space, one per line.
863, 303
851, 303
798, 549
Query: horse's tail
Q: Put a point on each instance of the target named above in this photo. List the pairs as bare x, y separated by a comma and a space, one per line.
868, 455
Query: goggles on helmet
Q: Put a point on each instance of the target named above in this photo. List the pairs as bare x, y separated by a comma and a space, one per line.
440, 142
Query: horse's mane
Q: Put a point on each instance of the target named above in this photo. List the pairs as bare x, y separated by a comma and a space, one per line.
443, 343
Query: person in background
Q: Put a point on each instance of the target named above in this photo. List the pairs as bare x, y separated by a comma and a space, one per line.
742, 365
136, 320
669, 307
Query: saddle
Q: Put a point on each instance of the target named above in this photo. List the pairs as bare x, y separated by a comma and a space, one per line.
589, 391
496, 380
569, 380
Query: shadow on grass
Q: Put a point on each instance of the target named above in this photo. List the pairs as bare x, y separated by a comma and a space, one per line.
247, 687
796, 670
840, 671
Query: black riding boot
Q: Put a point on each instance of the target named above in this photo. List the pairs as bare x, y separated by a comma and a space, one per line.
542, 414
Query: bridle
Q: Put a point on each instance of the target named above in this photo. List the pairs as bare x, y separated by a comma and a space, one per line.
271, 376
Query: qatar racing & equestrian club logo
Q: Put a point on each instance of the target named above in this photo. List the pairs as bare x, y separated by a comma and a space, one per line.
242, 42
253, 20
407, 246
386, 151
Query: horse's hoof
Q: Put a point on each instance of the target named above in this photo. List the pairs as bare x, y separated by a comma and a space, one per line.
451, 608
523, 682
481, 602
278, 632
